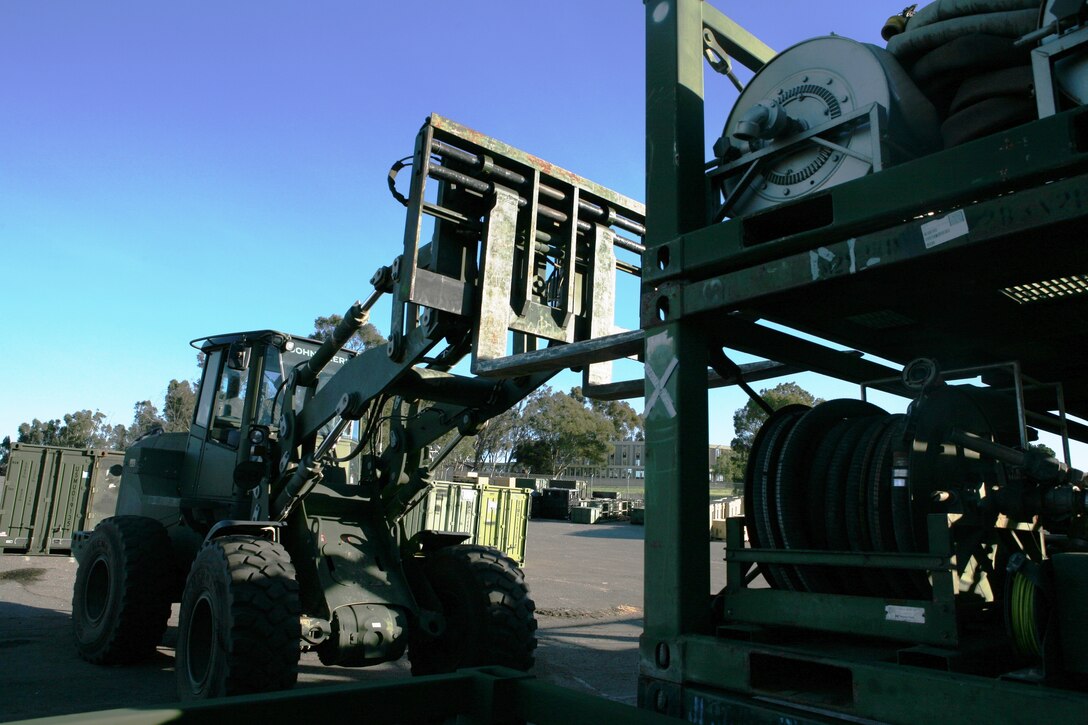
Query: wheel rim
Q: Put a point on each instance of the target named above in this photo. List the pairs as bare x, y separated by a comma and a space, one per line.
96, 592
198, 643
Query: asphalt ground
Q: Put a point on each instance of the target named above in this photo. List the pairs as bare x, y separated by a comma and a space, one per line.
586, 581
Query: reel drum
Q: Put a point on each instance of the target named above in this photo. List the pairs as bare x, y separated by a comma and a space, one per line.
805, 122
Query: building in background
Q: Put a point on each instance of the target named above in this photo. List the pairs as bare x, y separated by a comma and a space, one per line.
628, 460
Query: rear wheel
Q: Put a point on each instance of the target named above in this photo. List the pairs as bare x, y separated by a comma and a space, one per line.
121, 598
239, 626
488, 611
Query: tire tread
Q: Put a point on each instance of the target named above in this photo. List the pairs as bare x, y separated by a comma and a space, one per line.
508, 626
259, 612
144, 579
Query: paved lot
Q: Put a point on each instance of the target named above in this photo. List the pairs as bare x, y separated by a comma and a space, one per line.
586, 581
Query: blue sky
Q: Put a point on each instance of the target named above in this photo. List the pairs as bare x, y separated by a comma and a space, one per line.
171, 170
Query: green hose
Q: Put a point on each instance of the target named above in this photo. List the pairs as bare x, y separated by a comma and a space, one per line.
1022, 619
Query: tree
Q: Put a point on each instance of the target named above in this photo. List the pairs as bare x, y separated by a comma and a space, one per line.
81, 429
118, 437
462, 454
748, 419
177, 409
91, 429
145, 417
5, 454
365, 338
492, 448
38, 433
536, 456
495, 441
628, 422
725, 468
563, 432
84, 429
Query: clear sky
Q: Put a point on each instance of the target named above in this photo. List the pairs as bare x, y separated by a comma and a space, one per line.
171, 170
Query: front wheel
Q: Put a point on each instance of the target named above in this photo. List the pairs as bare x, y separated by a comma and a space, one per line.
121, 598
488, 611
239, 626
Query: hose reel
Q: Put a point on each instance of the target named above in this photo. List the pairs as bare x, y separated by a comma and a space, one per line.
830, 110
848, 476
821, 113
1027, 606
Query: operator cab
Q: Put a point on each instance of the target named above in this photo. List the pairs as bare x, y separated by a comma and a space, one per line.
240, 402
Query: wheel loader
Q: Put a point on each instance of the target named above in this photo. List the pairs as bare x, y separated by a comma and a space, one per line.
279, 520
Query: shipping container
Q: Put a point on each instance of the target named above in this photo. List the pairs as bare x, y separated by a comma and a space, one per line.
503, 519
534, 484
556, 503
51, 492
492, 515
585, 514
574, 484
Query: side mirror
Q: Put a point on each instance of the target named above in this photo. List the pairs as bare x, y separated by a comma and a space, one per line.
238, 357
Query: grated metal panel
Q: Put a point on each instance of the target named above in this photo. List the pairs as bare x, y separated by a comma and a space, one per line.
1050, 289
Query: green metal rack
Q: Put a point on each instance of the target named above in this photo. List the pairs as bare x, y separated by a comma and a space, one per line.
830, 266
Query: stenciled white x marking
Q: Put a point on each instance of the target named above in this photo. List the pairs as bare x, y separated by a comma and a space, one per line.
659, 388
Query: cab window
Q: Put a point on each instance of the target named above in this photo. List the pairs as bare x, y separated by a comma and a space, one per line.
271, 381
230, 407
277, 364
203, 414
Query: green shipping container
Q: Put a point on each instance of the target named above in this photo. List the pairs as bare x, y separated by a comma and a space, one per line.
448, 507
534, 484
503, 519
51, 492
585, 514
492, 515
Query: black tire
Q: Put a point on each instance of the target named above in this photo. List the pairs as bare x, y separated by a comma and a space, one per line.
239, 625
765, 459
488, 611
121, 598
798, 501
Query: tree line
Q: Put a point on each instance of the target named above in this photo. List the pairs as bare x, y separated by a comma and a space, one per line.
92, 429
548, 432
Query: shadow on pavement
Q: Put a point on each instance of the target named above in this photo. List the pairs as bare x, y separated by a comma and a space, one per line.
620, 530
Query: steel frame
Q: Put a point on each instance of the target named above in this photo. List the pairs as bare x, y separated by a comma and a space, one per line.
1043, 59
484, 695
518, 193
701, 280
